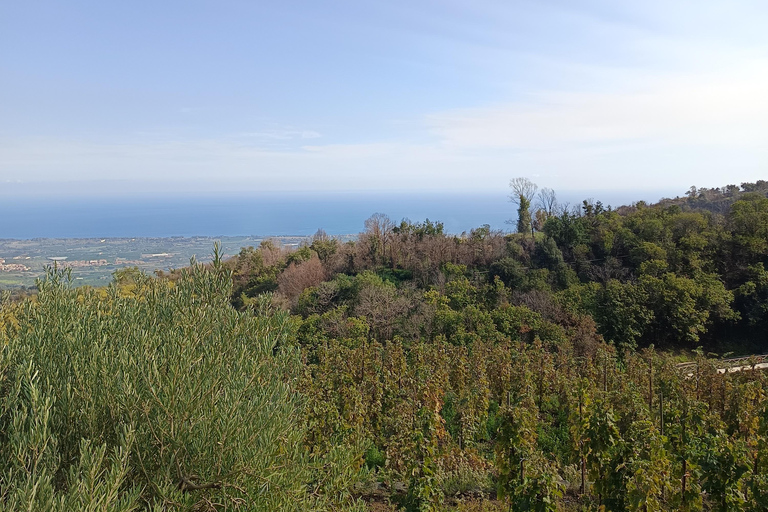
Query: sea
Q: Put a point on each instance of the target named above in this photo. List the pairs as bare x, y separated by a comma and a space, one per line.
273, 214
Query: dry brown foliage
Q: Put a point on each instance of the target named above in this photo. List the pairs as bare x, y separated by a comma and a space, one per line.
298, 277
272, 252
382, 307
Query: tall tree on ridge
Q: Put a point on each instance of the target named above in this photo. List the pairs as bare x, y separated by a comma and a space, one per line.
523, 191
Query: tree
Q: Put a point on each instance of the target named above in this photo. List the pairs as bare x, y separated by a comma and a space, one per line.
323, 245
523, 192
547, 201
378, 231
748, 220
682, 308
524, 221
299, 276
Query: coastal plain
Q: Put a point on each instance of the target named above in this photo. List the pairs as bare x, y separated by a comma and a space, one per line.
94, 260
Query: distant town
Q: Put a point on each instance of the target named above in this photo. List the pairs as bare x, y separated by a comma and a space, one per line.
12, 267
62, 262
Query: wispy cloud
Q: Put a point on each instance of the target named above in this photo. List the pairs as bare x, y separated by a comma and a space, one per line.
282, 134
671, 129
728, 108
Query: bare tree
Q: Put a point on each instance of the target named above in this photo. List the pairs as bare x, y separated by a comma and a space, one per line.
379, 224
522, 188
382, 306
547, 200
271, 251
378, 231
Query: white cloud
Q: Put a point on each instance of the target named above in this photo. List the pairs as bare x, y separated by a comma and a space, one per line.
728, 108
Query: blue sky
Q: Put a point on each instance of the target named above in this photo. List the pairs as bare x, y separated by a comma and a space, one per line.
236, 96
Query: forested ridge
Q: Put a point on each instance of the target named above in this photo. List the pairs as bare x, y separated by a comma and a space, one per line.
684, 273
410, 368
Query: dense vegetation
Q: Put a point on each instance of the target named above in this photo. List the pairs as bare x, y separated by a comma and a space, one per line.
537, 370
151, 395
487, 362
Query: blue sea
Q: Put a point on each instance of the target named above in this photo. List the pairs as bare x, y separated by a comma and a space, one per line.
260, 214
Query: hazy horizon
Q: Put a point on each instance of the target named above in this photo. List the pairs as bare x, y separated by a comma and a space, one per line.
266, 214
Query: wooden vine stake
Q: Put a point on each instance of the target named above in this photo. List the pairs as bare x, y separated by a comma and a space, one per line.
661, 410
581, 449
650, 386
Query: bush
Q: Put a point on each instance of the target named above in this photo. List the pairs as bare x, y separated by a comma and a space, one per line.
161, 396
374, 458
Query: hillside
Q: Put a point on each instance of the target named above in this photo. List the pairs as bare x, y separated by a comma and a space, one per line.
677, 274
526, 366
408, 368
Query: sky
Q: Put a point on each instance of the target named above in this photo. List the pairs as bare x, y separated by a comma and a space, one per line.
399, 95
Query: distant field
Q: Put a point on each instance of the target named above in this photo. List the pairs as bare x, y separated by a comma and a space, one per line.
93, 260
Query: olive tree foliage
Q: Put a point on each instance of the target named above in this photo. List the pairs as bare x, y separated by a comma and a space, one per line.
523, 193
155, 396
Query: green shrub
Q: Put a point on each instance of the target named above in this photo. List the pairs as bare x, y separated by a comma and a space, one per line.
374, 458
160, 395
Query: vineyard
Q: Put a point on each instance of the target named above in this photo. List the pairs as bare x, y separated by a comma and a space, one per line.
536, 424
